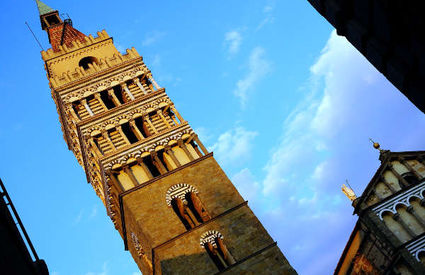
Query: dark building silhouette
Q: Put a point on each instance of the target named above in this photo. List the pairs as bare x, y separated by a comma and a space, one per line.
389, 33
15, 255
389, 237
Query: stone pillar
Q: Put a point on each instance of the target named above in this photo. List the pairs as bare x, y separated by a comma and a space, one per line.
128, 171
84, 102
173, 109
410, 168
116, 182
145, 168
183, 146
137, 132
161, 115
119, 128
148, 121
398, 219
74, 114
125, 88
196, 139
96, 149
114, 97
388, 185
158, 163
108, 139
403, 182
417, 218
97, 96
137, 81
154, 82
173, 157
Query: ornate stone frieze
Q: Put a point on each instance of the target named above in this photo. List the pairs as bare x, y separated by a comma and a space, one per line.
128, 113
403, 198
104, 84
148, 145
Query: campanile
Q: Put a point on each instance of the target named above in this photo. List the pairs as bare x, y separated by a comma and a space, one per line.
170, 201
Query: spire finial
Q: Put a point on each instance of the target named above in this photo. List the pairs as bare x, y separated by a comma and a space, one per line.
348, 191
376, 145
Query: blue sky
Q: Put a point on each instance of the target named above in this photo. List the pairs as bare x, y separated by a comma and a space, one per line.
286, 105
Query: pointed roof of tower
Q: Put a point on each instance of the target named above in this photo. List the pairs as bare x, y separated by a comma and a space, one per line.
43, 8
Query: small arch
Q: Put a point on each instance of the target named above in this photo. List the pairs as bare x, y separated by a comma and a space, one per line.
179, 191
85, 61
420, 256
213, 242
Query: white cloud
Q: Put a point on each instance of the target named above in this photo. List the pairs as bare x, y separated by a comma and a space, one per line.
152, 37
246, 184
232, 42
258, 67
234, 146
93, 212
78, 218
325, 141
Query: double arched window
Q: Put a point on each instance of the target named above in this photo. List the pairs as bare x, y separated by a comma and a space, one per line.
213, 243
184, 200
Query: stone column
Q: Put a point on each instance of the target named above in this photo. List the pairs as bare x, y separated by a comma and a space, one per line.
108, 139
401, 180
196, 139
84, 102
418, 219
137, 132
148, 121
128, 171
388, 185
116, 182
114, 97
398, 219
137, 81
173, 157
410, 168
183, 146
154, 82
96, 149
119, 128
173, 109
125, 88
161, 115
145, 168
158, 163
97, 96
74, 114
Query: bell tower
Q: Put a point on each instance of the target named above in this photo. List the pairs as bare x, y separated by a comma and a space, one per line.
172, 204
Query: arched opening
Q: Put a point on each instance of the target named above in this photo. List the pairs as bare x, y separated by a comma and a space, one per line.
213, 243
84, 62
185, 202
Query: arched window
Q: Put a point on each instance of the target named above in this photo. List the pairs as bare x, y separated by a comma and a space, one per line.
84, 62
186, 204
213, 243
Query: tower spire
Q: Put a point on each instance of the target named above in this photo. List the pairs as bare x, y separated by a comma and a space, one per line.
43, 8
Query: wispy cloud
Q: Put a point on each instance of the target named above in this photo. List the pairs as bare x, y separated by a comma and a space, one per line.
105, 270
268, 15
78, 218
234, 145
258, 67
232, 42
93, 212
152, 37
